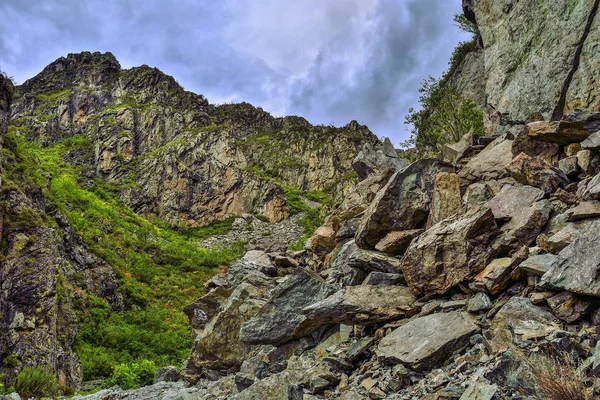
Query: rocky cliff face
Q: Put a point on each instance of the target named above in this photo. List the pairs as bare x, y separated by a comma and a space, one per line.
45, 268
176, 156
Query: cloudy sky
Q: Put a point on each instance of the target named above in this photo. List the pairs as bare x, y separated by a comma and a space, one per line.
330, 61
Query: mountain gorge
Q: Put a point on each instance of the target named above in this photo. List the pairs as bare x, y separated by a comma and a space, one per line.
151, 239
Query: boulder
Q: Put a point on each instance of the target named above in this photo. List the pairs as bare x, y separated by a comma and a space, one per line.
592, 142
584, 210
569, 166
587, 161
537, 172
589, 189
537, 265
479, 391
524, 143
495, 276
555, 242
426, 342
398, 241
166, 374
568, 308
280, 320
559, 132
402, 204
524, 216
375, 159
451, 251
446, 199
490, 163
578, 265
454, 152
479, 302
363, 305
322, 241
478, 193
383, 278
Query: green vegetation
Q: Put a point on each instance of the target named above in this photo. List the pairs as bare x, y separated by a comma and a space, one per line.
160, 269
445, 115
134, 375
314, 216
55, 95
36, 382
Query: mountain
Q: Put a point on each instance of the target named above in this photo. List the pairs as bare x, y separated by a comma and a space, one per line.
111, 178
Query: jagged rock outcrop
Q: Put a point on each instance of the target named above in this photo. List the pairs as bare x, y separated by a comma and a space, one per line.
178, 157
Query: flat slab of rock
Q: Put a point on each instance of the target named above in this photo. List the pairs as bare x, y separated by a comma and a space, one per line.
402, 204
446, 200
280, 320
537, 172
479, 391
584, 210
559, 132
537, 265
362, 305
490, 163
449, 252
426, 342
578, 265
397, 242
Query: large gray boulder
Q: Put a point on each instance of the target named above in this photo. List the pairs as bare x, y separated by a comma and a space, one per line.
362, 305
578, 265
449, 252
490, 163
402, 204
280, 320
375, 159
426, 342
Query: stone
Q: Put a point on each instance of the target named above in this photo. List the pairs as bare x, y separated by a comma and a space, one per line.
383, 278
479, 391
523, 143
592, 142
515, 312
490, 164
524, 215
537, 172
398, 241
578, 265
585, 209
166, 374
559, 132
564, 237
359, 348
454, 152
568, 308
446, 199
572, 149
375, 159
569, 166
537, 265
477, 194
450, 252
402, 204
425, 343
280, 320
584, 161
216, 281
362, 305
479, 302
322, 241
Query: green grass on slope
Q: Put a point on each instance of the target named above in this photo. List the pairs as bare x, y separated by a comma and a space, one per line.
160, 270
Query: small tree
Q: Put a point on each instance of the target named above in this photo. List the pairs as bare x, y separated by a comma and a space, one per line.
37, 382
465, 25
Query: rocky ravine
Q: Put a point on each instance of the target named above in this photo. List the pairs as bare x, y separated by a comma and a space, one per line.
469, 276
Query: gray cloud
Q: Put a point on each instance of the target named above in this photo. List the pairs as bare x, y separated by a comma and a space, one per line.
329, 61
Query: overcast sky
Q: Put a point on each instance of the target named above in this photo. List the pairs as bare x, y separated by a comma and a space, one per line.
330, 61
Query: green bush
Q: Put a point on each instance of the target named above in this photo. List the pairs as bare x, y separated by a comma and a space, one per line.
133, 375
39, 381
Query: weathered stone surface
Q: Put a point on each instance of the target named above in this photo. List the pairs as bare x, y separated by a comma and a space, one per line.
537, 265
537, 172
586, 161
495, 275
567, 307
451, 251
166, 374
490, 164
589, 189
322, 241
397, 242
375, 159
559, 132
569, 166
446, 199
479, 391
564, 237
361, 305
519, 81
523, 143
517, 310
402, 204
572, 149
479, 302
280, 319
426, 342
454, 152
523, 215
592, 142
584, 210
477, 194
383, 278
578, 265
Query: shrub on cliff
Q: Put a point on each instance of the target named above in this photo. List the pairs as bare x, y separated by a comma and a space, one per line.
37, 382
